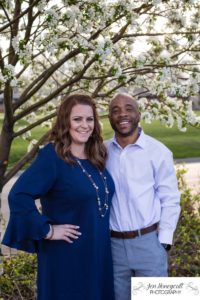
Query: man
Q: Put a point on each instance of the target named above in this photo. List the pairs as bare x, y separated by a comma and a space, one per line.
146, 204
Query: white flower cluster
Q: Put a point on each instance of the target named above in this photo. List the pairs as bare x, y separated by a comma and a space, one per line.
31, 145
103, 47
165, 66
9, 4
169, 112
49, 43
23, 50
9, 72
26, 135
9, 75
47, 124
82, 42
52, 17
31, 118
42, 5
72, 15
178, 16
191, 117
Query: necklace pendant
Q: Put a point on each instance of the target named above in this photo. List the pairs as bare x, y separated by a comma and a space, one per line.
101, 206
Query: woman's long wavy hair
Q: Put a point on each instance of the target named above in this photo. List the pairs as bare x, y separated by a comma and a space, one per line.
95, 150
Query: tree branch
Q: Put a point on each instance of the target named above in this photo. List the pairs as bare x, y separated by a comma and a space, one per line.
137, 10
160, 33
40, 121
14, 31
27, 157
15, 25
55, 93
112, 90
19, 16
26, 66
6, 14
38, 82
30, 22
119, 35
101, 83
1, 61
31, 90
8, 105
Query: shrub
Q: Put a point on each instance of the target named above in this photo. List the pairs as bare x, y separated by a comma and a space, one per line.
184, 257
18, 279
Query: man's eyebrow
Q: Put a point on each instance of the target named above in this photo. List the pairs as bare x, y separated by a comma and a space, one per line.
113, 107
117, 106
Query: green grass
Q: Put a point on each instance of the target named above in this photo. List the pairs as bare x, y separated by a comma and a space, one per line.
182, 145
19, 146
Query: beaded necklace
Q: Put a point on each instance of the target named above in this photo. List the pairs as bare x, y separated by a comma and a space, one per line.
102, 207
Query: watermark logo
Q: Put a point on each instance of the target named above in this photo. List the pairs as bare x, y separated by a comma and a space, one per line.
175, 288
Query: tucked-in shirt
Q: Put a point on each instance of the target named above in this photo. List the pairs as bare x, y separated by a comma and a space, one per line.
146, 187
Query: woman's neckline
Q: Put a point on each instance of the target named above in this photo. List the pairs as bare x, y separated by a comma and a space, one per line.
82, 159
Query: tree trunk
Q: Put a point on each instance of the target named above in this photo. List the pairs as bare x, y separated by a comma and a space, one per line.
6, 138
5, 145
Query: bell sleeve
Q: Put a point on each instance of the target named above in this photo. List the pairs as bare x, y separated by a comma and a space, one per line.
27, 225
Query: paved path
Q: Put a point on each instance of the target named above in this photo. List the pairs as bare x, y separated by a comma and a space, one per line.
192, 178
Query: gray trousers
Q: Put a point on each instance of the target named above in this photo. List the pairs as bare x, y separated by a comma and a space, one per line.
142, 256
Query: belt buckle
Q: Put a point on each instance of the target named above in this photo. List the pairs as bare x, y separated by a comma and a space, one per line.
139, 232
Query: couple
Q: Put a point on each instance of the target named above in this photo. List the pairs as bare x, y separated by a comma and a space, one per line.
71, 236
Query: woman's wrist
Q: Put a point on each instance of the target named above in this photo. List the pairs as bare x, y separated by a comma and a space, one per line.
50, 233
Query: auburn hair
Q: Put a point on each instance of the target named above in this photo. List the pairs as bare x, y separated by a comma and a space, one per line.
95, 149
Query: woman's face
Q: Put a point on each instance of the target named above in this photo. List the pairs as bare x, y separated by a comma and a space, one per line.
81, 123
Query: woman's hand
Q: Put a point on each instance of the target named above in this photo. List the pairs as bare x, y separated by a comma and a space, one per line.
65, 232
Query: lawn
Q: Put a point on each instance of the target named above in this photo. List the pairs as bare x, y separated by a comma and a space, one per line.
182, 145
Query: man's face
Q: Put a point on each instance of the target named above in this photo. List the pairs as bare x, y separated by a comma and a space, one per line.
124, 116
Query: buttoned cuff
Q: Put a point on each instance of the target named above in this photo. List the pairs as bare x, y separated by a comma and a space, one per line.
165, 236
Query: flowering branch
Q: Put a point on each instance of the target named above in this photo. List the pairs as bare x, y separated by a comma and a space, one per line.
17, 17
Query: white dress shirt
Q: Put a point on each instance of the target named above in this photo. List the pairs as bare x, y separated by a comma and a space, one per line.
146, 187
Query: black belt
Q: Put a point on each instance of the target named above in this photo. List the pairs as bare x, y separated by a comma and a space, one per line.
133, 234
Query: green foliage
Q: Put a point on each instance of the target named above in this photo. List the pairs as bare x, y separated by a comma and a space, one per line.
185, 255
18, 279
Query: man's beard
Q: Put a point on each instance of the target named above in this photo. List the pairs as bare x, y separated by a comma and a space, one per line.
126, 134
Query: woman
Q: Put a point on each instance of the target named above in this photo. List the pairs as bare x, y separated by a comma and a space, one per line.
71, 236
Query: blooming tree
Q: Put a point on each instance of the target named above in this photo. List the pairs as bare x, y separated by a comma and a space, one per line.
50, 48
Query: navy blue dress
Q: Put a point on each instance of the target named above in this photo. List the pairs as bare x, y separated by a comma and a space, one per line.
78, 271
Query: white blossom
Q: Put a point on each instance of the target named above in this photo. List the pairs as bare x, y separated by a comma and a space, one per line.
9, 72
161, 64
103, 47
31, 145
42, 5
52, 17
165, 54
31, 118
14, 82
142, 102
2, 79
47, 124
26, 135
170, 121
15, 43
147, 117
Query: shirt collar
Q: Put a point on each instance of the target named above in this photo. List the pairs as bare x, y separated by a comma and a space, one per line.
140, 141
